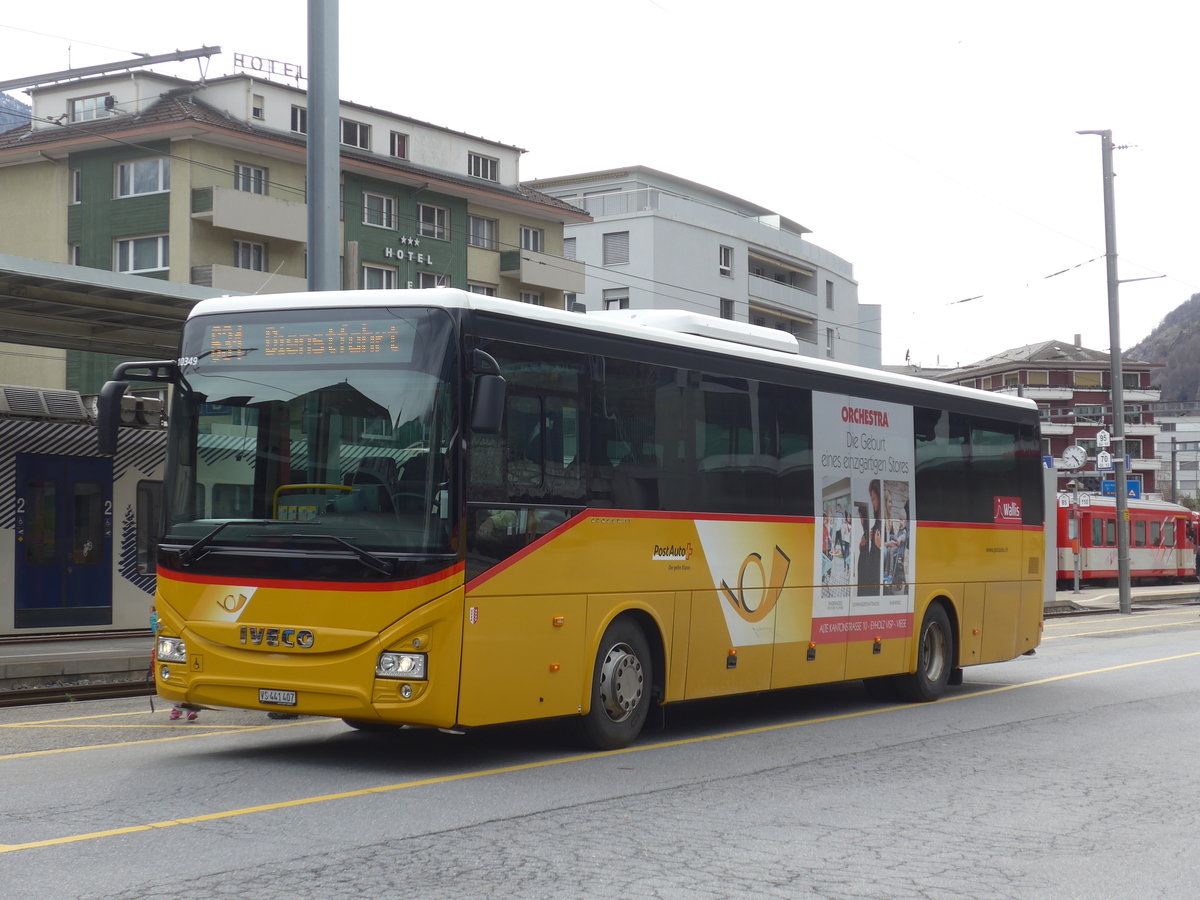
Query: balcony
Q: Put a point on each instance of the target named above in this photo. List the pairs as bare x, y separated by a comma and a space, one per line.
1048, 428
251, 213
543, 271
1039, 393
782, 295
246, 281
1134, 429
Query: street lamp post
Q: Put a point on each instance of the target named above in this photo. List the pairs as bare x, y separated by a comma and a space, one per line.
1115, 375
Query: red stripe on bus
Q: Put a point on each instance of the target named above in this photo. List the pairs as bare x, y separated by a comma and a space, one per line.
624, 514
293, 584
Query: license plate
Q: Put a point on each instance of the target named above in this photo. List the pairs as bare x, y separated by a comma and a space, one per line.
277, 698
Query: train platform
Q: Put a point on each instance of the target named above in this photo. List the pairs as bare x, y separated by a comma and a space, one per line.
33, 663
42, 663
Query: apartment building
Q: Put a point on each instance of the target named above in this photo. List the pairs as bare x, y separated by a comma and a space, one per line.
1071, 385
657, 241
203, 183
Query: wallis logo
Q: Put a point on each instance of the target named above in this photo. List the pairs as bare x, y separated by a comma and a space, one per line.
752, 602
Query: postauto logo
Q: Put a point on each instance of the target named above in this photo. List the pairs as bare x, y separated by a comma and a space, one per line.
672, 552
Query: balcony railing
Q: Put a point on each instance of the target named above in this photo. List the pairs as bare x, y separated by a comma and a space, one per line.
245, 281
543, 270
251, 213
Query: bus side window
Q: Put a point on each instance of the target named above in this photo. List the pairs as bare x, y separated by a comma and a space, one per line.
523, 441
942, 455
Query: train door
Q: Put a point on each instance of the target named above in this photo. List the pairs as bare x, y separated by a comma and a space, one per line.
63, 572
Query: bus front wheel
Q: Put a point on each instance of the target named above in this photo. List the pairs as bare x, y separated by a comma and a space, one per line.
935, 658
621, 687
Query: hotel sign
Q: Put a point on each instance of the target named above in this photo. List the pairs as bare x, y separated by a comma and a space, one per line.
265, 66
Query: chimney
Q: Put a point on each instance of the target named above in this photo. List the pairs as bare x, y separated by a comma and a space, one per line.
1078, 342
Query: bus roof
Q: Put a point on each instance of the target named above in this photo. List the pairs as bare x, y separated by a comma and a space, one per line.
677, 328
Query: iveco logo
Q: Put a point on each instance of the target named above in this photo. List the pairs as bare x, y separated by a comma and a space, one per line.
254, 636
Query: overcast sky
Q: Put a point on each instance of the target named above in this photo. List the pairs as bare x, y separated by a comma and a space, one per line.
931, 144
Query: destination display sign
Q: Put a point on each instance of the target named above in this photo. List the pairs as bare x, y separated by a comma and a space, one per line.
350, 341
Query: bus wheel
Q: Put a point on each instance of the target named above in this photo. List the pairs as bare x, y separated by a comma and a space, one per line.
621, 687
935, 658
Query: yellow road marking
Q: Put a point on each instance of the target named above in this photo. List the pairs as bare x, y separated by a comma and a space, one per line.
191, 735
75, 719
1124, 624
543, 764
1071, 621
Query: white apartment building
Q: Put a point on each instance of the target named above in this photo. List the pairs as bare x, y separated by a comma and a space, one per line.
657, 241
1177, 445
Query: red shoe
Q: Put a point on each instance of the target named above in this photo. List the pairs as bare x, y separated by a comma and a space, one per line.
193, 715
176, 713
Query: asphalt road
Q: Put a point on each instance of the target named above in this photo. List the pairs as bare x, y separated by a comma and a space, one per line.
1070, 773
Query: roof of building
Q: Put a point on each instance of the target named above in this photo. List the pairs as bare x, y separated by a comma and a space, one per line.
658, 178
179, 106
1046, 354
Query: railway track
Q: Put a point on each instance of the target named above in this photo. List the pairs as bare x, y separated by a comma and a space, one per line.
74, 692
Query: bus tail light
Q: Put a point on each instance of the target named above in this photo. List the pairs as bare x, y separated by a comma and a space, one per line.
408, 666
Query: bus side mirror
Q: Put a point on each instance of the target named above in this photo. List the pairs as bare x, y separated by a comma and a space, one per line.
108, 404
108, 416
487, 408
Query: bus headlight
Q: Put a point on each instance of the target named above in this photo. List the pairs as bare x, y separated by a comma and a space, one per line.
409, 666
172, 649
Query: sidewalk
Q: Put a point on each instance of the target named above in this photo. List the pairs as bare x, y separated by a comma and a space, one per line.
58, 662
1109, 599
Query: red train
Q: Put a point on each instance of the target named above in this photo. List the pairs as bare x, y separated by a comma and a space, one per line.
1162, 540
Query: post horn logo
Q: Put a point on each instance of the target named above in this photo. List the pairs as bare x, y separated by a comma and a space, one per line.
754, 603
233, 604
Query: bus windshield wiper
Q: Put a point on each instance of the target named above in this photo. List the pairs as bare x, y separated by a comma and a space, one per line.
370, 560
190, 554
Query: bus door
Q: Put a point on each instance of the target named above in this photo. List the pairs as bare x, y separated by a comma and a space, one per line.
63, 572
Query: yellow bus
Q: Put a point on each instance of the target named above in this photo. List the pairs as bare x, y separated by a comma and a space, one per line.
435, 508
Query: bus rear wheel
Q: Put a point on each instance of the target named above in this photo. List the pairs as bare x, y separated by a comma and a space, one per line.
621, 687
935, 658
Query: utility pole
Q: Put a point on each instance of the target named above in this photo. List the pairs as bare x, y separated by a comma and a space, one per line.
324, 160
1115, 374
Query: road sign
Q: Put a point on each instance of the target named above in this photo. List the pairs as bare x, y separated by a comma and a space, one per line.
1104, 461
1133, 488
1103, 438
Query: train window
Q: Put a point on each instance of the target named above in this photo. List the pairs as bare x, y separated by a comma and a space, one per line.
149, 521
231, 501
1110, 532
1156, 534
87, 537
1169, 533
1097, 532
1139, 534
41, 548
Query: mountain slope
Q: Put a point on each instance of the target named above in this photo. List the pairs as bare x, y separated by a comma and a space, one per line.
1175, 344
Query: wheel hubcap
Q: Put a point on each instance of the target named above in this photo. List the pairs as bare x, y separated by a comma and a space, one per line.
621, 682
934, 652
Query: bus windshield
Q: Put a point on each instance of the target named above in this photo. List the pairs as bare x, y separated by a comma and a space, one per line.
321, 424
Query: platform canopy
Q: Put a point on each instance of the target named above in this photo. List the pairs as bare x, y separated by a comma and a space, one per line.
67, 307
